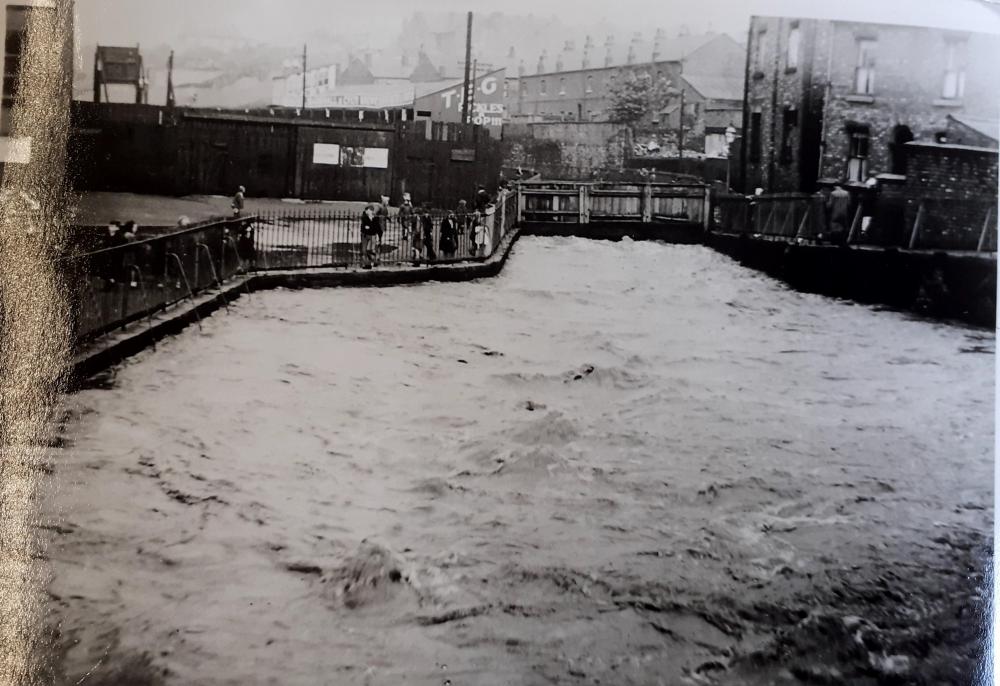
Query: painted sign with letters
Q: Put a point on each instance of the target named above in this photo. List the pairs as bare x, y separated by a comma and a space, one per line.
487, 102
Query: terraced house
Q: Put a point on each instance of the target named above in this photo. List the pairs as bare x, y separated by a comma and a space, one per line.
838, 101
579, 87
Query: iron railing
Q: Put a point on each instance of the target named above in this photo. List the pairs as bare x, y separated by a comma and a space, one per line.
126, 282
317, 237
929, 224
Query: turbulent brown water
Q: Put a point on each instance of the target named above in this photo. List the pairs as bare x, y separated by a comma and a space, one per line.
616, 463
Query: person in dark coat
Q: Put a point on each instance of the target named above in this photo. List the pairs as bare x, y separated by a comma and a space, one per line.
370, 230
408, 224
482, 199
449, 236
839, 206
462, 218
113, 262
427, 231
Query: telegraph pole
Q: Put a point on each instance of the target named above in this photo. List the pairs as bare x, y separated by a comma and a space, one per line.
304, 76
680, 137
170, 80
468, 63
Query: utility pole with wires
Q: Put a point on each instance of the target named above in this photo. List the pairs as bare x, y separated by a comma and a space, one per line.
467, 87
680, 118
469, 94
171, 100
304, 67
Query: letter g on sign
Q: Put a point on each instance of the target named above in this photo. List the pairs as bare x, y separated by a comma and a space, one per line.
489, 86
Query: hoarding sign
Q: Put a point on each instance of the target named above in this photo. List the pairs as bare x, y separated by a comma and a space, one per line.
326, 153
358, 156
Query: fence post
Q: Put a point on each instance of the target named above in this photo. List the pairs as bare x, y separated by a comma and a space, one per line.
503, 215
708, 212
802, 224
647, 203
986, 227
854, 225
584, 200
916, 225
520, 204
770, 216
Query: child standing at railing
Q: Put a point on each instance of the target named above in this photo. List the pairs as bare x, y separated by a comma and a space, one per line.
427, 229
449, 236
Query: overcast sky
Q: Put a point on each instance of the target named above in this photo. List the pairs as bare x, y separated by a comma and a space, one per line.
127, 22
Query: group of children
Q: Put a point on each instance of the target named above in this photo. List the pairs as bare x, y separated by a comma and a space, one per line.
418, 234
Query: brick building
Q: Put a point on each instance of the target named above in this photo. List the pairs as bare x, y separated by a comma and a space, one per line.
579, 88
840, 100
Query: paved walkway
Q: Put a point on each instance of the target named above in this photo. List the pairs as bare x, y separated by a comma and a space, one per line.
150, 211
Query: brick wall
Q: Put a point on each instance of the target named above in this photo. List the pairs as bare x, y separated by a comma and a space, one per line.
906, 102
958, 187
566, 148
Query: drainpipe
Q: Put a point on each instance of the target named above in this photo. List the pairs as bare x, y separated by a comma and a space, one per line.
827, 91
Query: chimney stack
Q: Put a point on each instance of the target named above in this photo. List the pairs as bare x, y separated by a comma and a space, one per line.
609, 46
541, 63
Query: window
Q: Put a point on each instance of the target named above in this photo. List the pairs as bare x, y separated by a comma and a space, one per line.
562, 86
542, 90
954, 71
755, 139
17, 20
524, 88
792, 50
506, 89
590, 84
857, 154
788, 123
758, 51
864, 73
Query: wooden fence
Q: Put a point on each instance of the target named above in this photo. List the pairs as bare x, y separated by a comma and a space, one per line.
934, 224
167, 151
583, 203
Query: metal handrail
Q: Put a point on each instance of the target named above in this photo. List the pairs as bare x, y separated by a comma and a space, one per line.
215, 274
180, 268
228, 240
137, 274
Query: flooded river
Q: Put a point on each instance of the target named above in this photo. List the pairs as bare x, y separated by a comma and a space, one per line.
615, 463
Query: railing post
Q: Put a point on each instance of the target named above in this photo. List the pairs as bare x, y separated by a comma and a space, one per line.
520, 204
503, 216
854, 225
802, 224
916, 225
986, 227
584, 201
647, 203
708, 212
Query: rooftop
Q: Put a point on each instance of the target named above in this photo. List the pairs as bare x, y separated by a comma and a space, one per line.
716, 86
982, 125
